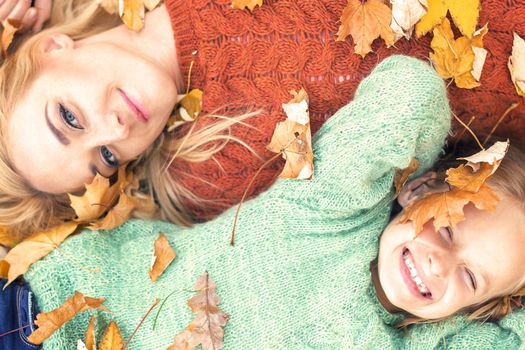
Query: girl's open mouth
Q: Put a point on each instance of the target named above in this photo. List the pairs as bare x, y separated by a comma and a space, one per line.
411, 277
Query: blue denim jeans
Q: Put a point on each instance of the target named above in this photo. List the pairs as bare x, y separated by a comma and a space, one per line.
17, 309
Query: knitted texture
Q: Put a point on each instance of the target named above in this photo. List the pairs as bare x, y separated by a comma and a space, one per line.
246, 60
298, 276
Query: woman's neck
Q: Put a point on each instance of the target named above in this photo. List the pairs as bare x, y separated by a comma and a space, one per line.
155, 42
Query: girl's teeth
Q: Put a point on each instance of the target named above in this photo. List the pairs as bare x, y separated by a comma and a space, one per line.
413, 273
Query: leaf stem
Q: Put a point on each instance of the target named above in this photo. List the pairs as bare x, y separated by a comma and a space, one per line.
469, 130
246, 192
507, 111
140, 323
15, 330
160, 308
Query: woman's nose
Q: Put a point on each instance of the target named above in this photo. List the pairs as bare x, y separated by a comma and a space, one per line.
440, 263
115, 128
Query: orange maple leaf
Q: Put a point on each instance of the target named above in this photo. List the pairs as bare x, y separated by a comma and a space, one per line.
365, 22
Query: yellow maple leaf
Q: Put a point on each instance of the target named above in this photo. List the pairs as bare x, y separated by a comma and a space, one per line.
465, 14
112, 339
446, 208
465, 178
118, 215
35, 247
130, 11
365, 22
90, 205
453, 58
293, 138
189, 108
516, 64
49, 322
163, 255
241, 4
7, 239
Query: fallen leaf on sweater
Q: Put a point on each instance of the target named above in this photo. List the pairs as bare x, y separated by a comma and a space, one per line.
118, 215
446, 208
207, 327
112, 339
251, 4
81, 345
7, 239
293, 138
465, 14
189, 108
492, 155
454, 58
401, 176
35, 247
49, 322
365, 22
11, 26
516, 64
163, 256
405, 15
91, 343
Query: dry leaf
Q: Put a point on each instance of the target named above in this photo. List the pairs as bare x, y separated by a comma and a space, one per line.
365, 22
35, 247
151, 4
7, 239
293, 138
132, 13
111, 6
465, 14
492, 155
467, 179
81, 345
49, 322
516, 64
405, 15
118, 215
90, 205
480, 54
401, 176
446, 208
163, 256
190, 106
206, 329
4, 268
453, 58
11, 26
91, 343
251, 4
112, 339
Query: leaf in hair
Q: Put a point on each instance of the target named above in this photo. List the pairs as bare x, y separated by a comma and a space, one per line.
465, 178
49, 322
11, 26
35, 247
189, 107
163, 256
118, 215
492, 156
242, 4
132, 13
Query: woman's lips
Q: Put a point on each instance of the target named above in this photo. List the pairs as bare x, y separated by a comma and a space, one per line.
138, 109
407, 278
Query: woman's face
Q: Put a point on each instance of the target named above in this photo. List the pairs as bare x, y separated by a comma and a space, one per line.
90, 108
440, 272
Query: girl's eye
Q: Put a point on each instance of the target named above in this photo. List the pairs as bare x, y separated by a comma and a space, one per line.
108, 157
450, 233
447, 234
69, 118
471, 278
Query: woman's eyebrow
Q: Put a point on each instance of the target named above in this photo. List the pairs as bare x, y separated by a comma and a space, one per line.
60, 137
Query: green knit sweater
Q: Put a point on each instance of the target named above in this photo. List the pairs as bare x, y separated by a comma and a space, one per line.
298, 276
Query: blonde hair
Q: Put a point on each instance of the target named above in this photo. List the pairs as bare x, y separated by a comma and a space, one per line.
509, 180
23, 209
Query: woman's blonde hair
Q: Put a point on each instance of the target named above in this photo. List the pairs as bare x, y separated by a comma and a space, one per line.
24, 210
509, 180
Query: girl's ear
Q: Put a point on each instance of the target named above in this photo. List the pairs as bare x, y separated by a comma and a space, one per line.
417, 188
55, 42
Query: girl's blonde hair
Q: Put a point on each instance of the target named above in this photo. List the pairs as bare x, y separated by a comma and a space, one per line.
509, 180
24, 210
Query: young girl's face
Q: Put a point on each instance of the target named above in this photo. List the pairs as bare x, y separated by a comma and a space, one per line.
90, 109
440, 272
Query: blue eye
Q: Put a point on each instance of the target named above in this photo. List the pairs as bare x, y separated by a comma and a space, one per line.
108, 157
69, 118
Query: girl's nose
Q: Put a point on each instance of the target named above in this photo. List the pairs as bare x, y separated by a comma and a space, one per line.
440, 263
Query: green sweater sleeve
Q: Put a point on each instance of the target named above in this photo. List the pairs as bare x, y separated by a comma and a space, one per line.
400, 111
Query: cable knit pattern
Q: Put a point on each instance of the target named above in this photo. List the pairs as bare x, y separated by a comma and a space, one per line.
298, 276
249, 59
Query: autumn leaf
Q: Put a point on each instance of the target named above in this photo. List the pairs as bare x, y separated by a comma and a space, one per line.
4, 268
516, 64
293, 138
90, 205
405, 15
190, 106
446, 208
110, 6
365, 22
480, 53
11, 26
35, 247
49, 322
112, 339
453, 58
251, 4
207, 327
163, 255
132, 13
151, 4
492, 155
465, 178
465, 14
7, 239
91, 343
401, 176
118, 215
